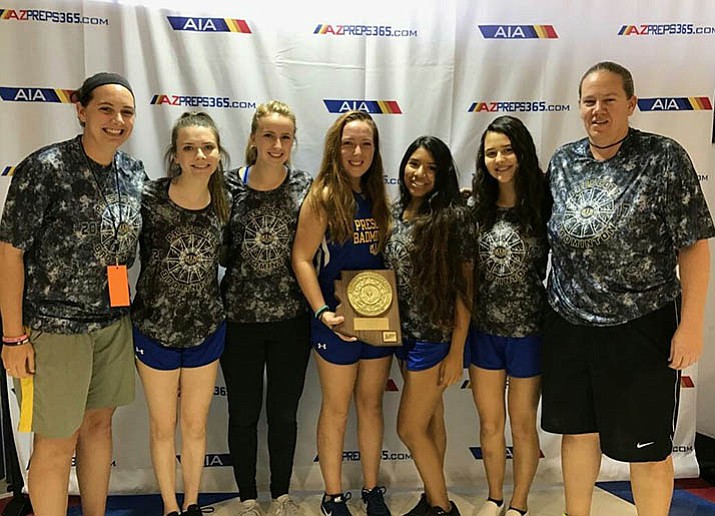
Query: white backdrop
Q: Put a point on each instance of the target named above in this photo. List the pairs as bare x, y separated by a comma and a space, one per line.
445, 68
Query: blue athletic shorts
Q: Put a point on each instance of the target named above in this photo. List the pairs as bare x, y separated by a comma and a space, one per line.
337, 351
419, 355
519, 356
150, 353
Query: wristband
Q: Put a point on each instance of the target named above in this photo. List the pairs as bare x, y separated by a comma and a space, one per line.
15, 340
320, 311
25, 340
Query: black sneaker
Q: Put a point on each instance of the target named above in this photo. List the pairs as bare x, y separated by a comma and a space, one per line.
375, 501
335, 505
438, 511
195, 510
421, 508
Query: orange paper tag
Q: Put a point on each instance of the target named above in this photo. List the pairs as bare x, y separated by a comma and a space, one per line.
118, 285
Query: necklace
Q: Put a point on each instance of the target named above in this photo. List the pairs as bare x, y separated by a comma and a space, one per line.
607, 146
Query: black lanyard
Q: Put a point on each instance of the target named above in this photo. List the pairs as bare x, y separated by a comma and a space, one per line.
115, 225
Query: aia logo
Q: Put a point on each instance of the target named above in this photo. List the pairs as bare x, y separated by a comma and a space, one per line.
675, 104
518, 31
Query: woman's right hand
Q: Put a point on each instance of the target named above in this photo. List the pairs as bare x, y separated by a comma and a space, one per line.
19, 361
331, 320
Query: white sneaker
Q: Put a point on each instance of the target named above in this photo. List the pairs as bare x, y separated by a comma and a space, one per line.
249, 508
284, 506
492, 509
514, 512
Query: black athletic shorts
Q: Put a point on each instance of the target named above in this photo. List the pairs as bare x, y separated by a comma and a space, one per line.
614, 381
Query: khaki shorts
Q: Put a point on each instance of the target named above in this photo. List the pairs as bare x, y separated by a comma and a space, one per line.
74, 373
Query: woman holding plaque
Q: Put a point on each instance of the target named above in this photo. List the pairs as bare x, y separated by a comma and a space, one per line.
428, 249
345, 220
511, 205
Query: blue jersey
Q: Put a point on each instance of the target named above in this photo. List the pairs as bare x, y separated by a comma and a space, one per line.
357, 253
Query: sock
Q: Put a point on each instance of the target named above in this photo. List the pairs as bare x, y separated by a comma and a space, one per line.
498, 502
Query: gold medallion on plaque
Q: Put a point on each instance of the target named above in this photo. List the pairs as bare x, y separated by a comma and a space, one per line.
369, 294
368, 302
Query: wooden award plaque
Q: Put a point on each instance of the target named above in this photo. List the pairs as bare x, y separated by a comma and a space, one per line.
368, 301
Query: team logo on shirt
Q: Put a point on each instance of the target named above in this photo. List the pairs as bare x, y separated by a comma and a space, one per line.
399, 256
191, 256
589, 213
118, 230
266, 240
503, 253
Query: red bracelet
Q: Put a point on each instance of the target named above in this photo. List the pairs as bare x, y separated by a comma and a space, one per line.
14, 340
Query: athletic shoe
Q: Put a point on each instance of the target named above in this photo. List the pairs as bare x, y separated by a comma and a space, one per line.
514, 512
421, 508
438, 511
490, 508
284, 506
195, 510
375, 501
336, 506
249, 508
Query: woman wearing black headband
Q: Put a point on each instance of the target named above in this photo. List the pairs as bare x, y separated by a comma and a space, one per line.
67, 235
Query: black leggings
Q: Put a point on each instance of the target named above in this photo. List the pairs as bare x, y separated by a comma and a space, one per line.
282, 349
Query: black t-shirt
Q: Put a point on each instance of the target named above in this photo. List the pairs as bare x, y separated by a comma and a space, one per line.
510, 294
259, 284
617, 225
178, 303
72, 217
398, 256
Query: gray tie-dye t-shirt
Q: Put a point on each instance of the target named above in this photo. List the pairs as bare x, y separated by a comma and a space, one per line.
509, 280
617, 226
178, 303
259, 285
72, 217
398, 256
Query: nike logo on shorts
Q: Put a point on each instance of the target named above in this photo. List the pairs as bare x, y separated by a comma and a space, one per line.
643, 445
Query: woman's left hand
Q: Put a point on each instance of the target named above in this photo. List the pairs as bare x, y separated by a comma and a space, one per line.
685, 347
450, 370
331, 320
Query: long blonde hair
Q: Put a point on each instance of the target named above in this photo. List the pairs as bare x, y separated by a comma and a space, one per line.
331, 193
265, 109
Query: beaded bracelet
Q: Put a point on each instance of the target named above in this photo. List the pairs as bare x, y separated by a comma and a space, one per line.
320, 311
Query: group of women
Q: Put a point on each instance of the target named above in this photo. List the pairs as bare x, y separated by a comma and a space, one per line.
469, 278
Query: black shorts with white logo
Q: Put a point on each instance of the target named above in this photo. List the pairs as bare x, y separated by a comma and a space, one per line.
614, 381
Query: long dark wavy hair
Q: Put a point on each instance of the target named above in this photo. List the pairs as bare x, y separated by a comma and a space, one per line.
532, 195
436, 254
217, 188
331, 193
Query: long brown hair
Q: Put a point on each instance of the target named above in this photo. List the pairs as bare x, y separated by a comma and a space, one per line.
437, 256
331, 193
217, 188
